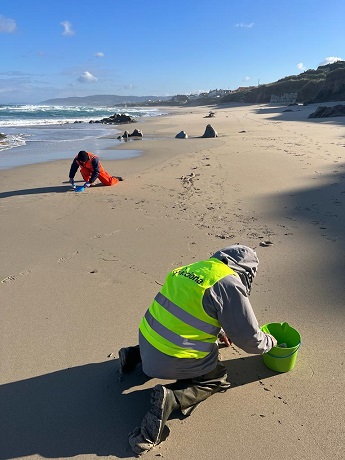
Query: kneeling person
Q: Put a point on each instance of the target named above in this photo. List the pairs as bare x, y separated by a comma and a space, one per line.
178, 336
91, 169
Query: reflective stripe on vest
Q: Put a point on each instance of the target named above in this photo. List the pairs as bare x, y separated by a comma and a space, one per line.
176, 323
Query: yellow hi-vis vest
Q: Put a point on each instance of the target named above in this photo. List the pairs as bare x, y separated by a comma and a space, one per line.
176, 323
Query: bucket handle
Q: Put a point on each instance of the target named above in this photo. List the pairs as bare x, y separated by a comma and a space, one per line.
287, 356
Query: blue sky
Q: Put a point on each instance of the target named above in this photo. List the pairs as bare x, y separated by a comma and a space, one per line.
62, 48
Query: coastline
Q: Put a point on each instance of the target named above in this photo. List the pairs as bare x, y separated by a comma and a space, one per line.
39, 134
79, 271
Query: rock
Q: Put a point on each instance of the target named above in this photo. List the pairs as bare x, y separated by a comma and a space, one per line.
115, 119
181, 135
325, 112
136, 133
210, 132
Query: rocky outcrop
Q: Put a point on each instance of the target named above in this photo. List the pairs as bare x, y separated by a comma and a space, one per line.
115, 119
210, 132
326, 83
333, 88
324, 112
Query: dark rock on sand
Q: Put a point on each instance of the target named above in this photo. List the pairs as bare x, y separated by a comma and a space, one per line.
181, 135
116, 119
325, 112
210, 132
135, 133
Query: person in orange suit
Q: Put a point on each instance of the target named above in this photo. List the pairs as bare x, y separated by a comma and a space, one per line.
91, 169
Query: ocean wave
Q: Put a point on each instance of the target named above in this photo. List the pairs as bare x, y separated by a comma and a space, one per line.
9, 141
43, 115
42, 122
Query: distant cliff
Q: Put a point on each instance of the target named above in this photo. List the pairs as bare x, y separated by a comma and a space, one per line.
326, 83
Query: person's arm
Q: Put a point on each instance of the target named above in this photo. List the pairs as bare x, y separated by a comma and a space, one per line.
237, 318
95, 172
73, 170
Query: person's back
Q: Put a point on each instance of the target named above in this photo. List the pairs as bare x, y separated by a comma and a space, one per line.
216, 289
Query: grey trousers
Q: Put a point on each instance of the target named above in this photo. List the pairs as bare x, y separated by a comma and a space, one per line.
191, 392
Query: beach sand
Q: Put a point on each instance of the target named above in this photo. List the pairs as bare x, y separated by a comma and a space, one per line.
78, 271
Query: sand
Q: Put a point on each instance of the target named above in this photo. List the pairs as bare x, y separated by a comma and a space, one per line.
78, 270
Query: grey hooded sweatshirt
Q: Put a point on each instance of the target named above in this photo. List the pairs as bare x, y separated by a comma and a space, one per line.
228, 302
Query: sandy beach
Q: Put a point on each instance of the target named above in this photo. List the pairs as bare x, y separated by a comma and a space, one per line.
79, 270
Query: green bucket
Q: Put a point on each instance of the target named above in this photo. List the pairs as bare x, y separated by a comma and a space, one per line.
282, 359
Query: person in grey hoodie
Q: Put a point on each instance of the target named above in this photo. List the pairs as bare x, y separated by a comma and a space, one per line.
199, 305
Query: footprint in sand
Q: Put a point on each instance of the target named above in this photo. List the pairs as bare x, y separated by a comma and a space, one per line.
65, 259
10, 278
266, 243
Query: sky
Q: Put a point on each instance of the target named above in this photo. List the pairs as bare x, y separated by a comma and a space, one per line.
62, 48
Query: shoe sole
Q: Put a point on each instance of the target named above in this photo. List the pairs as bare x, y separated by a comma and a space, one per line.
149, 434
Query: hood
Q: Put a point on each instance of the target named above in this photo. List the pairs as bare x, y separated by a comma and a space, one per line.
242, 260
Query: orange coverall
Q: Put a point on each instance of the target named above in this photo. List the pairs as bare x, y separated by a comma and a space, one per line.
92, 170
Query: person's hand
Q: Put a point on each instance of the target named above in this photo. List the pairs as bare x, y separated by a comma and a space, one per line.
87, 184
223, 338
275, 343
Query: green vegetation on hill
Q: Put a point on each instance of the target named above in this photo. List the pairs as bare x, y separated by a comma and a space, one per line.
326, 83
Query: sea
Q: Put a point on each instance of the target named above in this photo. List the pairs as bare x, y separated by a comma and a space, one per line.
39, 133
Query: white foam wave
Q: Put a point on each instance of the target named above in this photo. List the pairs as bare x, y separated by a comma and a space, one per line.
30, 115
50, 108
10, 141
42, 121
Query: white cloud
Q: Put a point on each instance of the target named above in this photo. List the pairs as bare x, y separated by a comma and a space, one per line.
300, 66
86, 77
330, 60
67, 26
247, 26
246, 79
7, 25
99, 54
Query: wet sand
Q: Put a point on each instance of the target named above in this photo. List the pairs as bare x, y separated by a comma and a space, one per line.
80, 269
